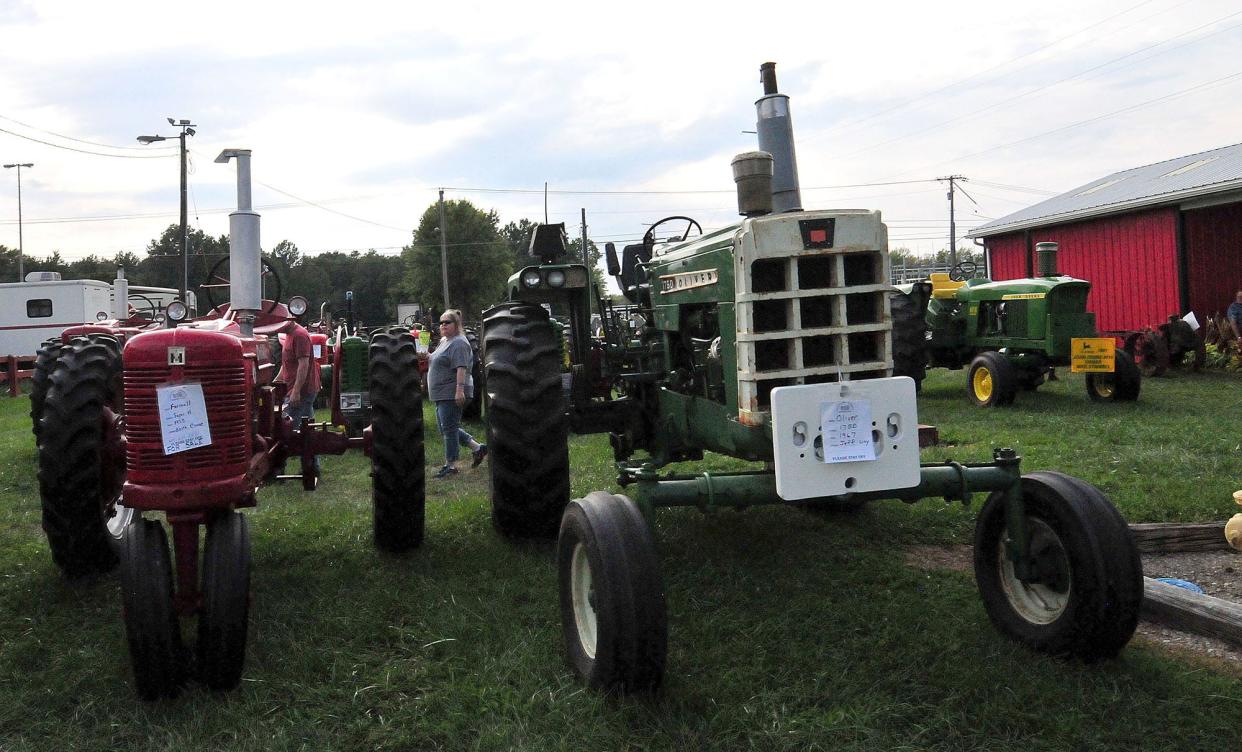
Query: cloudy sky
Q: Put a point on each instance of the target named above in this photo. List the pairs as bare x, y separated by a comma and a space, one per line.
357, 112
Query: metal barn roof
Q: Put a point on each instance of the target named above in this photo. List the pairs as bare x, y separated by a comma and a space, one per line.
1172, 181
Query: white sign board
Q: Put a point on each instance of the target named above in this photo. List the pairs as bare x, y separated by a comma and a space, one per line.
318, 349
847, 431
183, 417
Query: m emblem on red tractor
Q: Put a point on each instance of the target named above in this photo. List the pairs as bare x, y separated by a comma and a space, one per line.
176, 356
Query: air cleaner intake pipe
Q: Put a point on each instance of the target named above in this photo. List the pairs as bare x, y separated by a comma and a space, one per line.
752, 172
1046, 259
775, 129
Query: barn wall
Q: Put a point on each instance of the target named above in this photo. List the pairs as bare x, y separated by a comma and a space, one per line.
1008, 254
1130, 261
1212, 238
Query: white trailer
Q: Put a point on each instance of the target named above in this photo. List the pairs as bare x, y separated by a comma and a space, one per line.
33, 311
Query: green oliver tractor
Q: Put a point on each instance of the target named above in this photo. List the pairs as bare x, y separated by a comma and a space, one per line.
769, 340
1010, 335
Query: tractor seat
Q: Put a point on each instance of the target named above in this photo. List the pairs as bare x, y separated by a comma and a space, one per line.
944, 288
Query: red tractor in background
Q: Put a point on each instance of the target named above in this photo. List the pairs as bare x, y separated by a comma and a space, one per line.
185, 419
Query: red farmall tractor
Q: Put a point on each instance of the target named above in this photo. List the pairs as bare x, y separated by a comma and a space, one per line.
185, 420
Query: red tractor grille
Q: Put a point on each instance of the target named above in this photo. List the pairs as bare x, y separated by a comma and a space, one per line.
228, 414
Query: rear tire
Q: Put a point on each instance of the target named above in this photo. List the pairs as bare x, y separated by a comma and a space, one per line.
613, 614
991, 381
474, 407
151, 627
527, 429
1122, 385
909, 339
80, 479
397, 454
1086, 601
45, 363
224, 621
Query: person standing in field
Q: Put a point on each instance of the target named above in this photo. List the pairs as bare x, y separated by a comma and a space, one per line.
450, 387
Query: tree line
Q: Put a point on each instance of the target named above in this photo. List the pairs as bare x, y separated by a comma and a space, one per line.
481, 254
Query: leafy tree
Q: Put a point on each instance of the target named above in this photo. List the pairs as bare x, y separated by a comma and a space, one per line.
480, 259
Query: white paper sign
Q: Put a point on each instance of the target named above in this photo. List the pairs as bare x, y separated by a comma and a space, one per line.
318, 351
183, 417
847, 431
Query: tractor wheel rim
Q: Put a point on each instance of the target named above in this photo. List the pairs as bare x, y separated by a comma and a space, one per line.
982, 384
580, 589
1104, 388
1037, 602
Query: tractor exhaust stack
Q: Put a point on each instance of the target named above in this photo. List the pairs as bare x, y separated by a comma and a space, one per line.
245, 264
775, 129
1046, 259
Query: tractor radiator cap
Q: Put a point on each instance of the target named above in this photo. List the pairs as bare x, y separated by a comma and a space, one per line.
752, 172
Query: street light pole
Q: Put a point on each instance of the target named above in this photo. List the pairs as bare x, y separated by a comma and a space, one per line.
187, 129
21, 251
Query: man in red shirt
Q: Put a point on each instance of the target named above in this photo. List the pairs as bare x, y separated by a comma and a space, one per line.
299, 371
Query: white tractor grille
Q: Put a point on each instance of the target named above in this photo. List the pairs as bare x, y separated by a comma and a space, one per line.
810, 315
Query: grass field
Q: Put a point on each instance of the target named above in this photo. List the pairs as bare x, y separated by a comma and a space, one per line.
787, 630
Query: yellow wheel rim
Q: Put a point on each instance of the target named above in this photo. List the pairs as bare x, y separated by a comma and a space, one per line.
981, 382
1104, 388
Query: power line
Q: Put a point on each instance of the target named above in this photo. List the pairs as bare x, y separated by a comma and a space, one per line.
972, 76
333, 211
84, 151
1018, 188
1047, 86
71, 138
540, 191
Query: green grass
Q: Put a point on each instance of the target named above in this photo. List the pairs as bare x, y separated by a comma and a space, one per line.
787, 630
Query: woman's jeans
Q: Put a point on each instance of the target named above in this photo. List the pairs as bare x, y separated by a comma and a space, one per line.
448, 415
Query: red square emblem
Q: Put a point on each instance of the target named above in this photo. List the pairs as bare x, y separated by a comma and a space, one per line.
819, 236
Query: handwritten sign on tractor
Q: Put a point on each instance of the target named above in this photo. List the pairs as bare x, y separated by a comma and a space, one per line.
1092, 355
846, 427
183, 417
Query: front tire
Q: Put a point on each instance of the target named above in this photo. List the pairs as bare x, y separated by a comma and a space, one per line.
613, 615
991, 381
527, 429
1122, 385
909, 338
224, 621
1085, 599
81, 464
397, 453
151, 627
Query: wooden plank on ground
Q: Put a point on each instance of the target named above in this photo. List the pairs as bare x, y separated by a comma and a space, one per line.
1170, 537
1192, 612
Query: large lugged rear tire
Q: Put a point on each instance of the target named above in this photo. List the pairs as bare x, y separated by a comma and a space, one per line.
1088, 591
909, 338
527, 429
80, 479
397, 472
474, 406
1122, 385
45, 362
613, 614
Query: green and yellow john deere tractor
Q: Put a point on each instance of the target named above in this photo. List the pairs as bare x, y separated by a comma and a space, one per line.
767, 340
1010, 335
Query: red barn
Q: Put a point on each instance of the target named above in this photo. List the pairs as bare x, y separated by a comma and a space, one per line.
1156, 240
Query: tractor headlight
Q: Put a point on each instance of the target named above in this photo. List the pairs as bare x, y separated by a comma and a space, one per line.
101, 315
530, 278
298, 305
556, 278
177, 311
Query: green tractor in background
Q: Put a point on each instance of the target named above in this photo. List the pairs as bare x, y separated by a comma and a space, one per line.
1010, 335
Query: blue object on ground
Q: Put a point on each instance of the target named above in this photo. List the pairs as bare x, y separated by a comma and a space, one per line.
1181, 584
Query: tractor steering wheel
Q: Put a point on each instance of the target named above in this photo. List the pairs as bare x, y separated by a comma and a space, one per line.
649, 236
148, 310
963, 271
216, 280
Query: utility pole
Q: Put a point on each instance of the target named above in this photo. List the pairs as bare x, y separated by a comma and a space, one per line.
187, 129
585, 259
21, 251
443, 251
952, 220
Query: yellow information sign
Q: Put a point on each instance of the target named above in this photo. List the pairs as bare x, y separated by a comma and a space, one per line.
1092, 355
